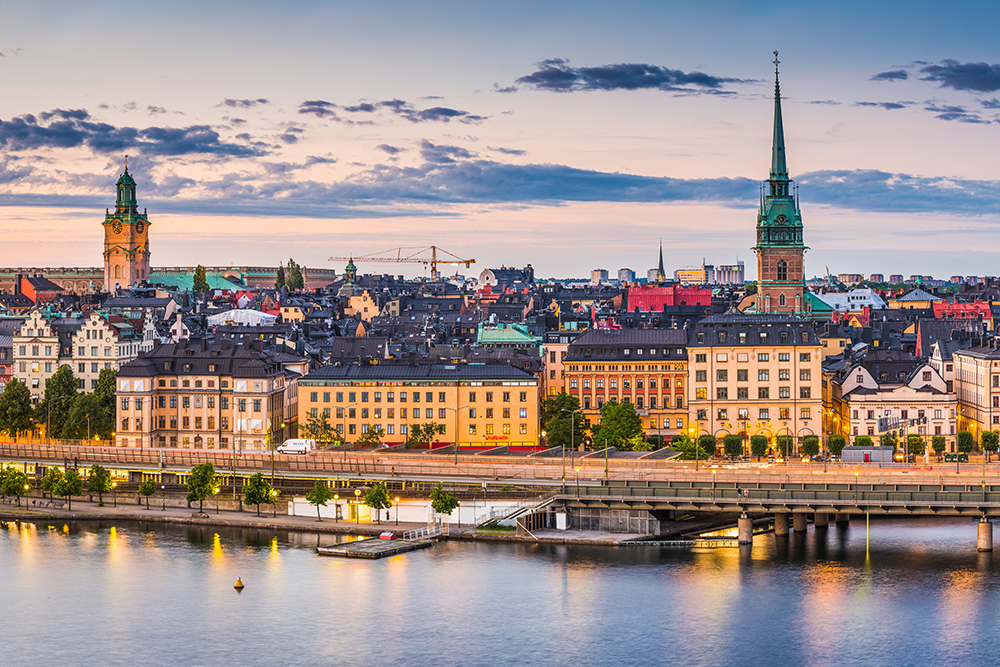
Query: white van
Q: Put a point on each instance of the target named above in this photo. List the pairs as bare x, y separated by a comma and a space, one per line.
297, 446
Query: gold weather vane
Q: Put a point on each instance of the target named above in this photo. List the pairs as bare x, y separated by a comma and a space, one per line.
776, 61
126, 155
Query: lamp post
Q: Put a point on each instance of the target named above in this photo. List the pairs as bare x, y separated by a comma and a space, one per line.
357, 506
27, 487
114, 492
88, 426
163, 498
270, 445
215, 492
48, 419
578, 481
397, 510
572, 441
456, 411
336, 507
274, 503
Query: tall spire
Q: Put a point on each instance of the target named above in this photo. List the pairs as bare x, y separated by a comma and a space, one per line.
661, 274
779, 169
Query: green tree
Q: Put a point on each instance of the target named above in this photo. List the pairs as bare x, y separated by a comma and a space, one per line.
60, 391
201, 484
147, 489
257, 491
836, 444
786, 446
87, 418
707, 444
71, 484
279, 281
422, 435
105, 393
51, 480
939, 443
372, 438
377, 497
686, 447
810, 445
863, 441
989, 441
888, 440
14, 483
557, 424
915, 444
200, 283
443, 502
293, 276
99, 482
15, 408
758, 445
732, 444
319, 496
965, 442
619, 425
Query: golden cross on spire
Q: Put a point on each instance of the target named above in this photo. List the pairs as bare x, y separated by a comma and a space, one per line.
776, 61
126, 158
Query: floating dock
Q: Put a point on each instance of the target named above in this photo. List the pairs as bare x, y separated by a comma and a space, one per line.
373, 548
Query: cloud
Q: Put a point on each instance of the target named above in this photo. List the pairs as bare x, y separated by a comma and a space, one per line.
892, 75
879, 191
507, 151
980, 77
889, 106
242, 104
829, 102
440, 154
990, 104
391, 150
153, 111
952, 112
68, 128
401, 108
557, 76
318, 108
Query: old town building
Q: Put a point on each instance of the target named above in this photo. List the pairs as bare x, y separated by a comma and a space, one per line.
977, 387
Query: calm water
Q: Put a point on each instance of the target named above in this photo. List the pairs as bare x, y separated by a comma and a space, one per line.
135, 594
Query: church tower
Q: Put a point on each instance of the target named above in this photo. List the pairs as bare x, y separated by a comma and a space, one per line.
780, 265
126, 238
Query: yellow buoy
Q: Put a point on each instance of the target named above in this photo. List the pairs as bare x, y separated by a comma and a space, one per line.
239, 584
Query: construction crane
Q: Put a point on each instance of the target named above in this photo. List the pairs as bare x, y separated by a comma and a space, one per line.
411, 255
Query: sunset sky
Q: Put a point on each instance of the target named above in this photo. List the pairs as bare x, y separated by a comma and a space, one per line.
568, 135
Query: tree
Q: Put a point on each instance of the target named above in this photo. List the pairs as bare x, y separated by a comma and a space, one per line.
915, 444
758, 445
377, 497
989, 441
619, 425
99, 482
422, 435
317, 427
147, 489
656, 441
863, 441
60, 391
786, 446
71, 484
707, 444
51, 480
686, 447
319, 497
836, 444
810, 445
965, 442
733, 445
200, 283
201, 484
105, 393
257, 491
293, 277
557, 424
14, 483
939, 443
279, 281
372, 437
15, 408
443, 502
887, 440
87, 417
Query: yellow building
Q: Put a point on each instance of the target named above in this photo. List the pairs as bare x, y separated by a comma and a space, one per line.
486, 405
755, 375
977, 386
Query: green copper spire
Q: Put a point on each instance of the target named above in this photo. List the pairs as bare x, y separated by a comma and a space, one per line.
779, 169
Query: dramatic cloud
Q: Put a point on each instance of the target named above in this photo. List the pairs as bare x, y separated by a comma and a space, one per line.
980, 77
401, 108
68, 128
872, 190
242, 104
889, 106
894, 75
556, 75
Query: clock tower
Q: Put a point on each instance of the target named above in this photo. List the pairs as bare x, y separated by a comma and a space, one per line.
780, 251
126, 238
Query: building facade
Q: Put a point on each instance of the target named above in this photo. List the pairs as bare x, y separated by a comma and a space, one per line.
126, 239
977, 387
644, 367
476, 405
755, 375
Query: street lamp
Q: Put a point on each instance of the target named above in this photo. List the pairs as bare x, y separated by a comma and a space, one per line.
336, 507
215, 492
27, 487
397, 510
578, 481
163, 498
713, 485
457, 410
357, 506
274, 503
114, 491
572, 441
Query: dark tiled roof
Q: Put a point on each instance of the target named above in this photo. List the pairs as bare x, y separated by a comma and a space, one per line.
136, 302
980, 352
632, 337
196, 357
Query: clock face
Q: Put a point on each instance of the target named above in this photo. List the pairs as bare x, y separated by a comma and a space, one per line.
781, 218
139, 226
116, 226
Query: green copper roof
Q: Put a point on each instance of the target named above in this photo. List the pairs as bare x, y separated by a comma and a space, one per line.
126, 178
779, 169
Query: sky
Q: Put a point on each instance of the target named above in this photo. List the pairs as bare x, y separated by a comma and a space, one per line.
567, 135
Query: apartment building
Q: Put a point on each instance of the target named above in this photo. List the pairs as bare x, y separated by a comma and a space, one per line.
977, 388
755, 375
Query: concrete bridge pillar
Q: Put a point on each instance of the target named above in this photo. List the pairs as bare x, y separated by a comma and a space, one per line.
781, 524
843, 518
821, 520
799, 522
984, 539
745, 529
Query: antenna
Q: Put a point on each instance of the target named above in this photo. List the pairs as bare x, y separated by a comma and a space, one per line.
776, 62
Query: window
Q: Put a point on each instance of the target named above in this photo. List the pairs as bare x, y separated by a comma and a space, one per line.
804, 413
125, 403
763, 375
742, 393
489, 413
805, 392
614, 383
364, 397
402, 398
721, 393
652, 402
763, 356
701, 376
572, 383
742, 375
781, 270
721, 356
211, 423
524, 397
652, 384
186, 402
722, 336
784, 374
804, 356
937, 414
783, 413
364, 413
472, 397
600, 383
197, 423
312, 397
784, 392
701, 358
763, 393
173, 402
523, 413
489, 429
927, 376
489, 397
722, 375
390, 413
702, 415
722, 414
125, 423
701, 393
506, 429
442, 413
762, 414
523, 429
472, 429
586, 383
224, 402
743, 413
81, 367
472, 413
638, 402
805, 374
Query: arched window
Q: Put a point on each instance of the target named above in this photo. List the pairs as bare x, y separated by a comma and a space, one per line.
782, 270
781, 300
118, 272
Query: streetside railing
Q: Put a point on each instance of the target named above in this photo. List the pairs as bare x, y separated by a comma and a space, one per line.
509, 511
424, 533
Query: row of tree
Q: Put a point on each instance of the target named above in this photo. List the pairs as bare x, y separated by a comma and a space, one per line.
70, 413
290, 276
620, 426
